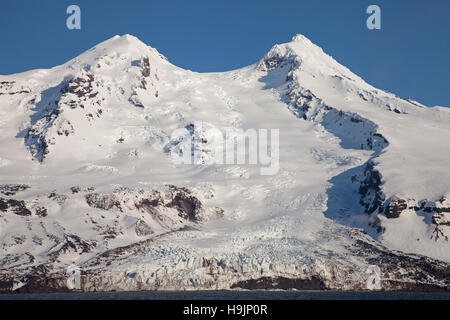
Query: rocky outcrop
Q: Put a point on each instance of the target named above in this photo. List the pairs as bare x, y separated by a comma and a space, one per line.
71, 244
21, 208
36, 137
398, 271
370, 188
181, 199
14, 206
355, 131
12, 88
136, 101
12, 189
103, 201
395, 207
188, 206
145, 82
145, 65
437, 212
302, 101
405, 272
280, 283
104, 217
59, 198
79, 92
441, 219
143, 229
272, 59
373, 199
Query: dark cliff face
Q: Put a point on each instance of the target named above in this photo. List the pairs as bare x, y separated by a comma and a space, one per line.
372, 197
395, 207
80, 92
436, 212
398, 271
14, 206
284, 72
188, 206
12, 189
151, 212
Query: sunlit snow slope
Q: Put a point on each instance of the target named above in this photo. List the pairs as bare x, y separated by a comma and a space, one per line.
87, 176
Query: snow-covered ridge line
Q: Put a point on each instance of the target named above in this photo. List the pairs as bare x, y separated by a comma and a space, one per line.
353, 159
298, 65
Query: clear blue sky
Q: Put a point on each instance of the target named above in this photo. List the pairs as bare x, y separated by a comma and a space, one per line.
409, 56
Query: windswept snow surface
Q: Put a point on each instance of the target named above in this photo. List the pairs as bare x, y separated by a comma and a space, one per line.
91, 140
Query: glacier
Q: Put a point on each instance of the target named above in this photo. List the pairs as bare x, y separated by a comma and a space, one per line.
87, 179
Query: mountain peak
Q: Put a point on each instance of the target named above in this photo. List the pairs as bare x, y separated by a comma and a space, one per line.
300, 38
127, 39
301, 51
107, 132
124, 43
118, 46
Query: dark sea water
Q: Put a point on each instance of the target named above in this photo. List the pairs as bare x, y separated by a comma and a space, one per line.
229, 295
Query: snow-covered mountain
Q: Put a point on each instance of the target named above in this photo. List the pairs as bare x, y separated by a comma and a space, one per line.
87, 177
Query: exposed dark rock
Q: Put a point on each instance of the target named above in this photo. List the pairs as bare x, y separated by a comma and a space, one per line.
148, 204
36, 136
12, 189
181, 199
441, 218
378, 135
134, 99
72, 243
79, 92
302, 103
362, 97
103, 201
41, 211
440, 215
145, 67
405, 271
187, 206
267, 283
82, 86
395, 207
11, 88
143, 84
413, 286
65, 128
75, 189
59, 198
438, 234
271, 62
39, 279
219, 212
142, 228
15, 206
370, 190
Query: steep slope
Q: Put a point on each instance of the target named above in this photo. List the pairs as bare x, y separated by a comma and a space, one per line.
88, 178
405, 179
